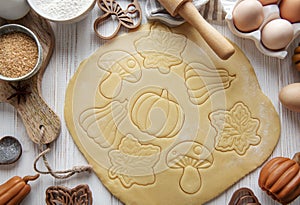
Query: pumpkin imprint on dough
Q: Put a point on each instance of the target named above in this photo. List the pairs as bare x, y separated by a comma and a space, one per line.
190, 156
202, 82
157, 114
133, 162
161, 49
120, 66
101, 123
236, 129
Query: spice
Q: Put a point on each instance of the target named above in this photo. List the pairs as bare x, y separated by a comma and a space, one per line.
18, 54
20, 91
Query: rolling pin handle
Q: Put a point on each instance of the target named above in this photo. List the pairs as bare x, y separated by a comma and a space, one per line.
186, 9
173, 6
216, 41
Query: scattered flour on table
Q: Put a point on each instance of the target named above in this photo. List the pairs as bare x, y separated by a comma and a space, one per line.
62, 9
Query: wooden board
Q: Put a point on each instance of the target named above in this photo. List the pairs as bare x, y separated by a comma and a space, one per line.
35, 113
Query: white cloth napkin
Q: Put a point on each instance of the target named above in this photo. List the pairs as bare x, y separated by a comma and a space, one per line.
211, 10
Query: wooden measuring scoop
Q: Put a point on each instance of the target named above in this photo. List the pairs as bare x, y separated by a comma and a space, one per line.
42, 124
213, 38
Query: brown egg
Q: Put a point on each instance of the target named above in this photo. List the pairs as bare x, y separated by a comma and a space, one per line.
248, 15
277, 34
290, 10
267, 2
290, 97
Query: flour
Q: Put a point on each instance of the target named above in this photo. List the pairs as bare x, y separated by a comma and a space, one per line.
61, 9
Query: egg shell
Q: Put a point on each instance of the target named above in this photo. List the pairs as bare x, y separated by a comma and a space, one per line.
290, 10
289, 96
248, 15
268, 2
277, 34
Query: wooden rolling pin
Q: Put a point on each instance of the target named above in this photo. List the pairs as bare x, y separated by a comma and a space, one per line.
185, 8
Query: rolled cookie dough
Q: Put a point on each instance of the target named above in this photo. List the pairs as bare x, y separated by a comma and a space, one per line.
162, 120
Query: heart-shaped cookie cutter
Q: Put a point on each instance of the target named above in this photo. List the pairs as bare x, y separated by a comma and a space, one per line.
125, 17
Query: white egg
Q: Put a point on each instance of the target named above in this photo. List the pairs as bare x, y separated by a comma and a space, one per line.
248, 15
277, 34
290, 96
13, 9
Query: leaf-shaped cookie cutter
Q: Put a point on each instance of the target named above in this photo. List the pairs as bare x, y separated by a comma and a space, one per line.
80, 195
112, 8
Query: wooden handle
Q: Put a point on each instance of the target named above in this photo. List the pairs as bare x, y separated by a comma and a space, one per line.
173, 6
42, 124
213, 38
217, 42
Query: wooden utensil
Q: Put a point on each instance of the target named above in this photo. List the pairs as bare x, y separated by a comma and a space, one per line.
213, 38
42, 124
125, 17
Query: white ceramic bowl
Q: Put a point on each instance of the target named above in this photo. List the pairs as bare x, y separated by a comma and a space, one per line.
10, 28
271, 12
13, 9
62, 11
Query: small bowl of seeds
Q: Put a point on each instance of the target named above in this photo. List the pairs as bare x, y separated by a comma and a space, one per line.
20, 53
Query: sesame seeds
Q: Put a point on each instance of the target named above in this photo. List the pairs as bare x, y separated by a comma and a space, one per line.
18, 54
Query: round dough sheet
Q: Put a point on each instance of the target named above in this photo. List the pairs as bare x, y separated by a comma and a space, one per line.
162, 120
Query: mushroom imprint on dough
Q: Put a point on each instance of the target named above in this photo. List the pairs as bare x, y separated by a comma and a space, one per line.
190, 156
120, 66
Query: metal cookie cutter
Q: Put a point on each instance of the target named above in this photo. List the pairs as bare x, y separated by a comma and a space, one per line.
125, 17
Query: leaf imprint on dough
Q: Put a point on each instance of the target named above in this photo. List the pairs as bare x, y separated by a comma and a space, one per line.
101, 123
203, 82
133, 162
161, 50
236, 129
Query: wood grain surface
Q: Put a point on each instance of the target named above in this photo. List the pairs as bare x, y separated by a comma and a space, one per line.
32, 108
74, 43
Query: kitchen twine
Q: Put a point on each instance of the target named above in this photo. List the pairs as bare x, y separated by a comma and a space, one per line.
64, 174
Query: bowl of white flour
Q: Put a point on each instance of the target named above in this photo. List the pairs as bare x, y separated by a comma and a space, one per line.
63, 11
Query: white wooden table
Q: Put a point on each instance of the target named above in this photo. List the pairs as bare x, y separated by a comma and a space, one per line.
75, 42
